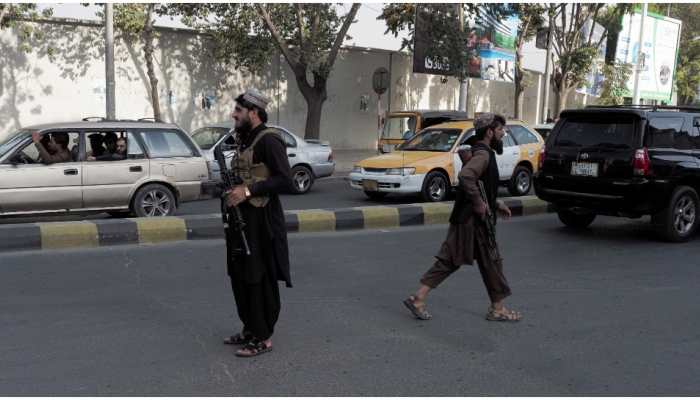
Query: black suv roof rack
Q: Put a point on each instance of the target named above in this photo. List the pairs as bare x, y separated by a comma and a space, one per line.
649, 107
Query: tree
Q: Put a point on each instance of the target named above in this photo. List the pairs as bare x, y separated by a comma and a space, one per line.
575, 47
134, 25
531, 20
308, 36
615, 84
16, 15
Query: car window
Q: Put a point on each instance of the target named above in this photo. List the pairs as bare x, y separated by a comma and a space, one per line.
12, 140
30, 153
521, 135
508, 141
207, 137
102, 145
667, 132
433, 140
165, 144
597, 130
399, 128
133, 147
468, 135
288, 139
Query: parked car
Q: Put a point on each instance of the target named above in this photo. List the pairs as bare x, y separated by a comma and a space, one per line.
309, 159
428, 164
400, 126
543, 129
162, 167
627, 161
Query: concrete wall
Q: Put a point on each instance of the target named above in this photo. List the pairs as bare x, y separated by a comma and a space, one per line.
62, 79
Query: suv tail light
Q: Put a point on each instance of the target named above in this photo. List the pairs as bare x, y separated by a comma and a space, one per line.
330, 156
540, 161
642, 163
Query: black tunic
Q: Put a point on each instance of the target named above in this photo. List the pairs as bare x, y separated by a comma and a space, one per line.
266, 229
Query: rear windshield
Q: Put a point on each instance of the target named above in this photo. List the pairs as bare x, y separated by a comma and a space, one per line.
597, 131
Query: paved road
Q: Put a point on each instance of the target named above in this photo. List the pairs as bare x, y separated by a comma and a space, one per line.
608, 311
332, 192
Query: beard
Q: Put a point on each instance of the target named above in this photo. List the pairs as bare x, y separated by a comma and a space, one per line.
497, 146
244, 126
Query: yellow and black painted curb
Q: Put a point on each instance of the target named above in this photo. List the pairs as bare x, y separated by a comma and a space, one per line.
110, 232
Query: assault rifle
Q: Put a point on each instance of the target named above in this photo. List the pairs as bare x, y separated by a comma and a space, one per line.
489, 223
230, 177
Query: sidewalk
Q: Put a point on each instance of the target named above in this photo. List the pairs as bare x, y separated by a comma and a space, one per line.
346, 159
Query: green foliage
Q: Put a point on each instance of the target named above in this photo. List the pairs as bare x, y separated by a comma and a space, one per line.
307, 31
20, 16
615, 84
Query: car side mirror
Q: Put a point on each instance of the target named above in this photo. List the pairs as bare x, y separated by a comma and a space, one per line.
696, 123
464, 147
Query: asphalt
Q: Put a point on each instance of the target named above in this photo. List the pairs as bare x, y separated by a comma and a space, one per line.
607, 311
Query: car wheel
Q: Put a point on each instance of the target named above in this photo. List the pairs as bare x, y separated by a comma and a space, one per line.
521, 181
302, 179
435, 187
678, 221
154, 200
375, 195
575, 220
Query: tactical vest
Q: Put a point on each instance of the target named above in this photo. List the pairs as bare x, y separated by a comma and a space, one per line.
253, 173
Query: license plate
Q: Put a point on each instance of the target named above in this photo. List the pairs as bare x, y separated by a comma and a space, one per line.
370, 186
584, 169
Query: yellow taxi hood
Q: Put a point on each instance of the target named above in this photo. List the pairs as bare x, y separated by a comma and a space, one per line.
398, 159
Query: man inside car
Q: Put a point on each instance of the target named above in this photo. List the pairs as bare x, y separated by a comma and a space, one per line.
119, 153
57, 150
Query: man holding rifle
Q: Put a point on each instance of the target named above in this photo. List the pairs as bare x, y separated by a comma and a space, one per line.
471, 234
256, 241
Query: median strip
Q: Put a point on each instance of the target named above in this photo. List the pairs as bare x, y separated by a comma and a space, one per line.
109, 232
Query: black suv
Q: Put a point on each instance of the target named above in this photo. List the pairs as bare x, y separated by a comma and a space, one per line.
626, 161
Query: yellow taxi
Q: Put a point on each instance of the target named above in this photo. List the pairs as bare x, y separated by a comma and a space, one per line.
428, 163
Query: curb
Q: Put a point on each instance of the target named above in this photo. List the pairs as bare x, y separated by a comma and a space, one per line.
111, 232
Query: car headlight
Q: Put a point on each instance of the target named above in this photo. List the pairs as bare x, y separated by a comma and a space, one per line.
357, 169
401, 171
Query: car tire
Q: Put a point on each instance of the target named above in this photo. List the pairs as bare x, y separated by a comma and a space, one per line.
575, 220
521, 181
154, 200
435, 187
679, 220
375, 195
302, 179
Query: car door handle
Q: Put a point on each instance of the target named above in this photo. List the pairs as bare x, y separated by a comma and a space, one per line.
135, 169
291, 155
71, 171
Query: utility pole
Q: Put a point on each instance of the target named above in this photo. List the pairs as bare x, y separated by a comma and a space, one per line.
640, 55
109, 60
547, 69
462, 78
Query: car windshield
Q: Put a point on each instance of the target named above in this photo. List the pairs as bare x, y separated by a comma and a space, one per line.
598, 131
11, 141
433, 140
399, 127
207, 137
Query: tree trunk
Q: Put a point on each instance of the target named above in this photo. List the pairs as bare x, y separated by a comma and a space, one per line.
519, 96
148, 53
315, 96
4, 10
562, 99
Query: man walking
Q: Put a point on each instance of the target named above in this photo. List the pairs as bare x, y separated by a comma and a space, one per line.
468, 235
263, 165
